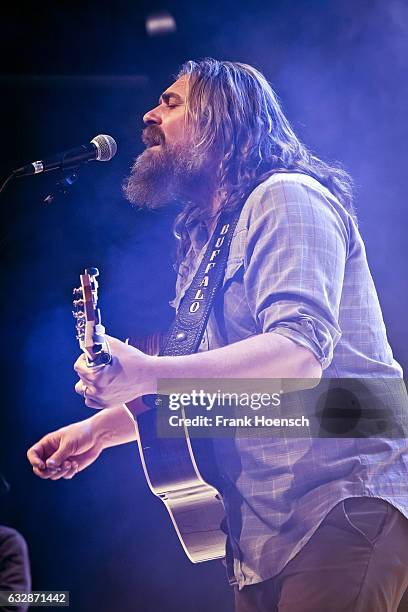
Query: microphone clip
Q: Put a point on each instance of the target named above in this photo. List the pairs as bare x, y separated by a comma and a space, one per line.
62, 187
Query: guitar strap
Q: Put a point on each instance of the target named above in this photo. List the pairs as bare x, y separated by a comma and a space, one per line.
189, 325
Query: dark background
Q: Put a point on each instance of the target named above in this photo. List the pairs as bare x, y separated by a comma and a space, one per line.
72, 70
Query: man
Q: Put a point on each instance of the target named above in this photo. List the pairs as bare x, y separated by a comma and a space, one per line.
14, 566
14, 560
314, 524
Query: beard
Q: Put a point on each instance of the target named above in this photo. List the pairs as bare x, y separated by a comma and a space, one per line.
166, 173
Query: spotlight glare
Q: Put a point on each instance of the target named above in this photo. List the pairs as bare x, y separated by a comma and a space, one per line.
158, 24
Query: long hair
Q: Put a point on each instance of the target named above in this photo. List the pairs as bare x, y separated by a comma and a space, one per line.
234, 111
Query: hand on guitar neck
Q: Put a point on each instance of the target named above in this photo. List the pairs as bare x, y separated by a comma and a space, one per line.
116, 384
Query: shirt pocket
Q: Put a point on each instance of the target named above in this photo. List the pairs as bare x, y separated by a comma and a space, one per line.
233, 269
235, 262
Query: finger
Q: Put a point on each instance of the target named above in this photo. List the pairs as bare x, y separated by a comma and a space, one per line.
59, 459
58, 474
33, 456
49, 474
80, 363
44, 474
81, 387
94, 403
44, 448
72, 471
86, 373
89, 394
39, 452
71, 467
85, 389
88, 376
94, 398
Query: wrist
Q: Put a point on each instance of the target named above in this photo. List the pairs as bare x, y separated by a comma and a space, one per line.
152, 372
99, 430
112, 426
167, 366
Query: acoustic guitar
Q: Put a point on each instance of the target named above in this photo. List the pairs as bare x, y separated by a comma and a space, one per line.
180, 471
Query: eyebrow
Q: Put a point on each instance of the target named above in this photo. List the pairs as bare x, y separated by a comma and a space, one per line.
168, 95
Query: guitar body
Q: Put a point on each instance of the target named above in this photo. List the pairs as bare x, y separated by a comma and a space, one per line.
172, 473
182, 473
179, 471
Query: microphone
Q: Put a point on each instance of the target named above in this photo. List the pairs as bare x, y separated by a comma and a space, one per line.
101, 148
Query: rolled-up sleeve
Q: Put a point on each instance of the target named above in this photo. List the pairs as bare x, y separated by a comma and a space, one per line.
294, 263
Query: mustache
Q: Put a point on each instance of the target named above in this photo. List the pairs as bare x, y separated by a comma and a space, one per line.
152, 135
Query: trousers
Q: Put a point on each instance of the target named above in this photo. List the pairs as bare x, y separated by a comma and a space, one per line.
356, 561
14, 565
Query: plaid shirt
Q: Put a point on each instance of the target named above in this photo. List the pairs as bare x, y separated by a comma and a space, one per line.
297, 267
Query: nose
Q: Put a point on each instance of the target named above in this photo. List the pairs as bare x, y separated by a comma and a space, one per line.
152, 116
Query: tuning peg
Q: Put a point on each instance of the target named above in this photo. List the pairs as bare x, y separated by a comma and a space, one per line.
78, 314
78, 303
77, 291
92, 271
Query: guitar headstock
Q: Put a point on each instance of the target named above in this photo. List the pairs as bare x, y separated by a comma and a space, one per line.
90, 331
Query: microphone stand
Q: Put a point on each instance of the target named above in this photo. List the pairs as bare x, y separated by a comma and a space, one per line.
8, 179
62, 187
